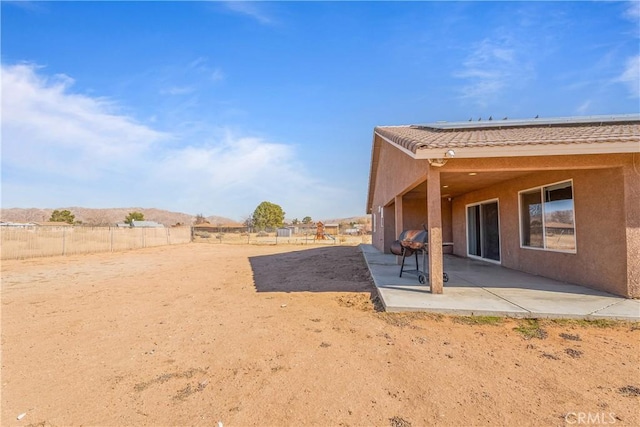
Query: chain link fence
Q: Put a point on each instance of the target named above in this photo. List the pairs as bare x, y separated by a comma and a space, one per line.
272, 238
34, 242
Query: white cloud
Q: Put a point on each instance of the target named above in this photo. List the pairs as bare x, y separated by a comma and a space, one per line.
186, 79
632, 12
177, 90
584, 107
217, 75
254, 10
631, 76
45, 124
234, 171
62, 148
490, 68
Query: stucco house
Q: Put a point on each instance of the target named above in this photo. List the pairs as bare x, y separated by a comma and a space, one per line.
558, 197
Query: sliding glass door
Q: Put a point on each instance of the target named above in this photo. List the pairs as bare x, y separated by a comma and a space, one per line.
483, 230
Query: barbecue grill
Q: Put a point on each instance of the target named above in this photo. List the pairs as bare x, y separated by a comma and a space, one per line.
412, 242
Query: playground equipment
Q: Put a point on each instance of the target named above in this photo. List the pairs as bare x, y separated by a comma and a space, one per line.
320, 231
321, 234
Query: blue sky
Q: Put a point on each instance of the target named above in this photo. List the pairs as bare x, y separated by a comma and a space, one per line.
214, 107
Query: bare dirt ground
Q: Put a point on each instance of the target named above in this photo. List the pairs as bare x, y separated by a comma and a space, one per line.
284, 335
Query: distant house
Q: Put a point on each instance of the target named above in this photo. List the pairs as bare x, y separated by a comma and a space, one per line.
145, 224
557, 197
53, 224
306, 228
215, 228
16, 224
332, 229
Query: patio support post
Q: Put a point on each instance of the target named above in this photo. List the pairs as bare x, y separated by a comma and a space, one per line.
434, 225
399, 221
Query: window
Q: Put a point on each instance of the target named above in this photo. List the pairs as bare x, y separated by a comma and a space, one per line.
547, 218
374, 221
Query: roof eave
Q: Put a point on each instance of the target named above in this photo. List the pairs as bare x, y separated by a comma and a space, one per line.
375, 155
527, 150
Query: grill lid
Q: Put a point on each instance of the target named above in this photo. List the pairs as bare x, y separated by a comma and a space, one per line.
414, 239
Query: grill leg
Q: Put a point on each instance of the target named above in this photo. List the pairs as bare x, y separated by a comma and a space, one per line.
404, 254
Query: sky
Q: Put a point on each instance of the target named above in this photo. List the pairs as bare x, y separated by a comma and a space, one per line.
213, 107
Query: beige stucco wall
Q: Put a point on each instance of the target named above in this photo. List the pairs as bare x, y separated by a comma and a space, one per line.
606, 200
631, 174
600, 260
396, 172
415, 213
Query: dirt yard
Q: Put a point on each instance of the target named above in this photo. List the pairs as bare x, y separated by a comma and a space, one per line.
285, 335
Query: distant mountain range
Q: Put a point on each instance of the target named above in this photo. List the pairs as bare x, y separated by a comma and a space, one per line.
364, 219
111, 216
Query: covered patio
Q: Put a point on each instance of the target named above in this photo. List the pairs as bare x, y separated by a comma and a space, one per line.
484, 289
554, 197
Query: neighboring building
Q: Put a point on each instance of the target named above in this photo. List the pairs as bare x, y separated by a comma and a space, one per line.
53, 224
558, 197
332, 229
145, 224
284, 232
211, 228
17, 224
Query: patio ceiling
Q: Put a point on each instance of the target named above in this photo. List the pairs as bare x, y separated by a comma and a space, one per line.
454, 184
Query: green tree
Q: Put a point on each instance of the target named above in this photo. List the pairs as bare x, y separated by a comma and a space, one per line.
134, 216
62, 216
295, 221
267, 215
307, 220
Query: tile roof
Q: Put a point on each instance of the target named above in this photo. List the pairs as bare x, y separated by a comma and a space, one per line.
416, 137
509, 138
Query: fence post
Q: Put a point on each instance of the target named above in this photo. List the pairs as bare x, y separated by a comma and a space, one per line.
64, 236
110, 239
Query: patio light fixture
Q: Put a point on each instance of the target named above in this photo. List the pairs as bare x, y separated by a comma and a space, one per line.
437, 162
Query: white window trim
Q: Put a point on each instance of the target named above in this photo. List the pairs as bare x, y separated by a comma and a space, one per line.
544, 240
466, 229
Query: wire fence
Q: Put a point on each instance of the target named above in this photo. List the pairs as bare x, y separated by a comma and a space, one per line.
274, 239
34, 242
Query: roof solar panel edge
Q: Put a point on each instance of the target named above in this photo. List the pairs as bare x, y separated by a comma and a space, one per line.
557, 121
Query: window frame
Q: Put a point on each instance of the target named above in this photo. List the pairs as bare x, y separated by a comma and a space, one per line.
541, 189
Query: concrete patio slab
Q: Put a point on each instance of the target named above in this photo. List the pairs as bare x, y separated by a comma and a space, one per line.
481, 288
627, 309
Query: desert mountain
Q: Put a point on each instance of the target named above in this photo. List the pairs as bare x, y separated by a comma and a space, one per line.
111, 216
366, 219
